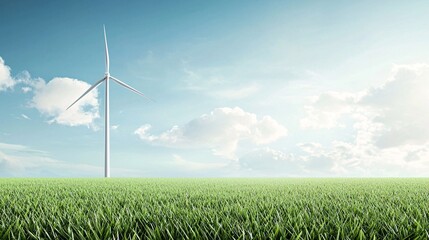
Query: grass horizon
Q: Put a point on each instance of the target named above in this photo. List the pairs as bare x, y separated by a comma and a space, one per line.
214, 208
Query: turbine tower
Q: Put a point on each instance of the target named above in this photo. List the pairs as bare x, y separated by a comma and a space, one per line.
106, 79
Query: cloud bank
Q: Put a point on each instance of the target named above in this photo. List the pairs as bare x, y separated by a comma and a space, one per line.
221, 130
389, 125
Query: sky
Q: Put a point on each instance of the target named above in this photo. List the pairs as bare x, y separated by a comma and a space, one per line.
241, 88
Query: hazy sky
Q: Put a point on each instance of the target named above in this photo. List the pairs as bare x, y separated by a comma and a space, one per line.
242, 88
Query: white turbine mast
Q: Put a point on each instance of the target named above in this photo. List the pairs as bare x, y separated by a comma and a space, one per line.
106, 79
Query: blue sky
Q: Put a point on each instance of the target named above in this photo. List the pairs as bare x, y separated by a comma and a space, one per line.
242, 88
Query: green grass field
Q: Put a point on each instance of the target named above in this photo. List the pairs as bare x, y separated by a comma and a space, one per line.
214, 208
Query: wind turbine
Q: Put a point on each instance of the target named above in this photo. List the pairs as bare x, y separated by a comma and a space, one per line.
106, 79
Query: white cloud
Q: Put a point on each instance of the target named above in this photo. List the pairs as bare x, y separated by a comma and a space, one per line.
6, 80
402, 103
326, 109
54, 97
25, 117
397, 108
221, 131
26, 89
388, 123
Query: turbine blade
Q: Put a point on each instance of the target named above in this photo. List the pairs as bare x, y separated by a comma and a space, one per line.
106, 50
130, 88
87, 91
